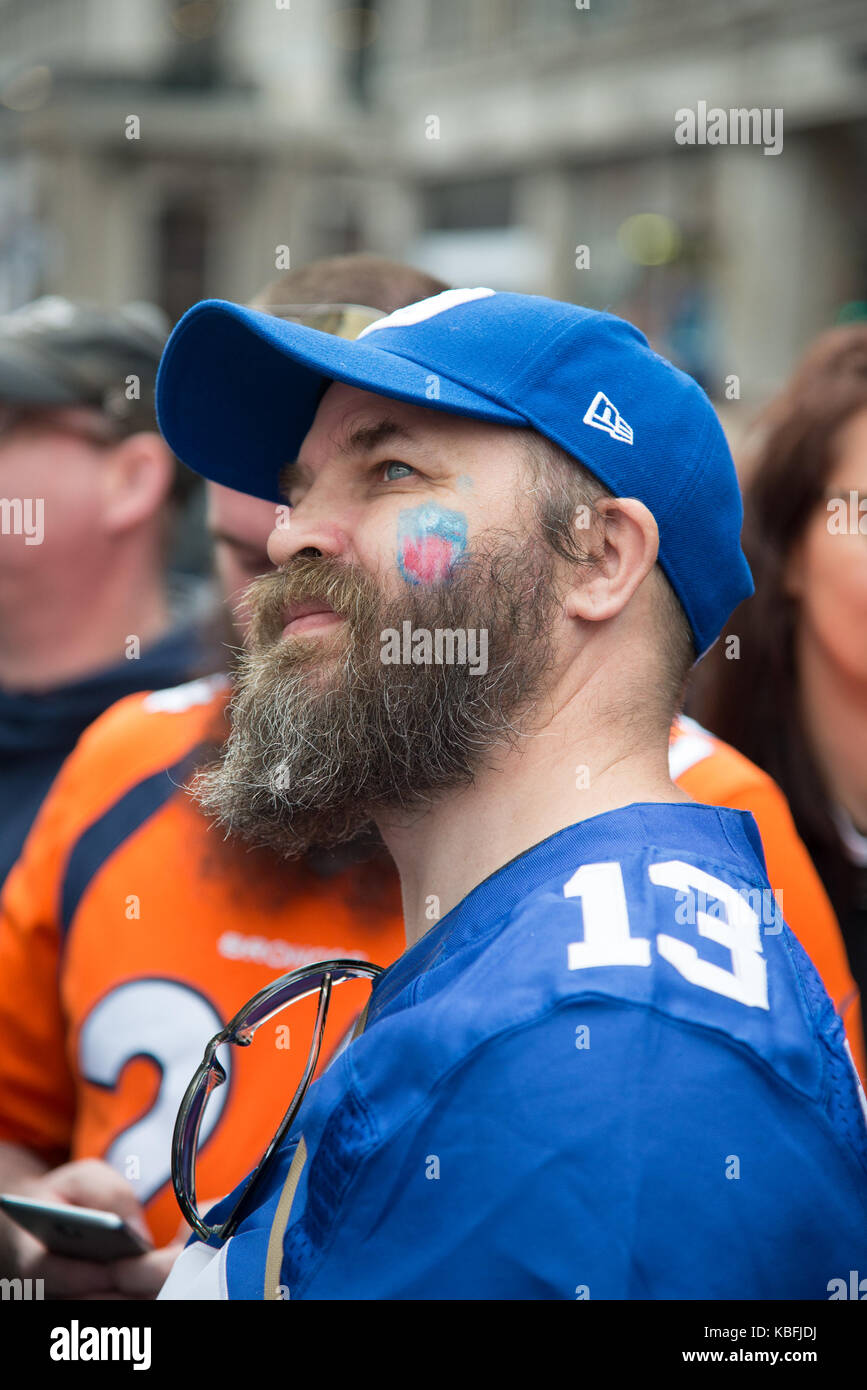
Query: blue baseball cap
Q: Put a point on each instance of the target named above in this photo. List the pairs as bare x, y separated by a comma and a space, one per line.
237, 391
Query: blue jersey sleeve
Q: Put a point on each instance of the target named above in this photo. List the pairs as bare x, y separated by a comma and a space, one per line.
604, 1151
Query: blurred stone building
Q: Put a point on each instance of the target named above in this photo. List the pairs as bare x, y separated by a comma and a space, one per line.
172, 149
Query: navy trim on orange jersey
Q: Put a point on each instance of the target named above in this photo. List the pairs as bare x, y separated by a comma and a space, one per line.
122, 819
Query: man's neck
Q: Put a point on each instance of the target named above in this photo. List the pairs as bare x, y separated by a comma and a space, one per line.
54, 633
554, 778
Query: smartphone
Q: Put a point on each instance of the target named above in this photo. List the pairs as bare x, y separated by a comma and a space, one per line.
82, 1232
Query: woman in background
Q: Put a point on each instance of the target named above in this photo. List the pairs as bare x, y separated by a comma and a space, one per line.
793, 698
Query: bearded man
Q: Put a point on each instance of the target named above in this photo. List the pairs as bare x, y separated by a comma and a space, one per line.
589, 1046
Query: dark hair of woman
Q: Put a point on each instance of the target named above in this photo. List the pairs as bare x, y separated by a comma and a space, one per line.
755, 700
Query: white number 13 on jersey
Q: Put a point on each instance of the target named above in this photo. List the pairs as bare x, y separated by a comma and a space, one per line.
607, 939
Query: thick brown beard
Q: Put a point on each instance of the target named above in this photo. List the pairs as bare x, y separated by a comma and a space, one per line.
325, 736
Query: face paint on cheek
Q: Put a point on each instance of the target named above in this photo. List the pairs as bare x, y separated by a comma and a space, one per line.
430, 540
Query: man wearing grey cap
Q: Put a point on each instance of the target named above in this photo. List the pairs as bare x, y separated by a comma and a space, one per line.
86, 493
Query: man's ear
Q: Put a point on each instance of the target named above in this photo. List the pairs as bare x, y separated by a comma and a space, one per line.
629, 547
136, 481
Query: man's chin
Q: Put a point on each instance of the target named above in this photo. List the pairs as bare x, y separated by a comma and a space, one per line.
308, 651
318, 640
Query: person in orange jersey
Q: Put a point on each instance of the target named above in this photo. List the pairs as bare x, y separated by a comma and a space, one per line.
130, 931
157, 930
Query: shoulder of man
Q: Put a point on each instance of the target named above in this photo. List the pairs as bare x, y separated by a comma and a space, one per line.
715, 773
688, 934
157, 720
139, 736
144, 738
667, 926
631, 996
564, 1032
142, 735
710, 769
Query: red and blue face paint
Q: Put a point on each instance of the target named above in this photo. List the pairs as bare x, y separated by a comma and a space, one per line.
430, 540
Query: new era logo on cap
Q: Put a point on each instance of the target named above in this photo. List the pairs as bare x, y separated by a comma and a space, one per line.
603, 414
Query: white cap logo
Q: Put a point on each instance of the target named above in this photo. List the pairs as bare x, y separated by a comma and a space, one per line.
603, 414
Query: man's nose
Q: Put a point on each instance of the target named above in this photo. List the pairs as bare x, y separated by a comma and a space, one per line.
300, 530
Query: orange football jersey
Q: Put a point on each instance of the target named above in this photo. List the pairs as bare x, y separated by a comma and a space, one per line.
131, 932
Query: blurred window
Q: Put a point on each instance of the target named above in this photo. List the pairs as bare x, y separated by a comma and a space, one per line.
181, 247
469, 203
196, 58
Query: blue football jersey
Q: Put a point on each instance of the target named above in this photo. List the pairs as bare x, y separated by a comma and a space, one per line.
610, 1072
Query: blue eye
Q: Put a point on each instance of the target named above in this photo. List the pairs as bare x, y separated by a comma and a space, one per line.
394, 463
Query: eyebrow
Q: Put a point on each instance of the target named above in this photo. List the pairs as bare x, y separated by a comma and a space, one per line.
361, 440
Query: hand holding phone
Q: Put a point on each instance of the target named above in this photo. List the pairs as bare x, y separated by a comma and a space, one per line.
82, 1183
84, 1233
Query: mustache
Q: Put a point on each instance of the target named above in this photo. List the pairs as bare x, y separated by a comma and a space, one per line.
345, 588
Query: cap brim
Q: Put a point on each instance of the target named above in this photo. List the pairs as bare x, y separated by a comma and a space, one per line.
237, 390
